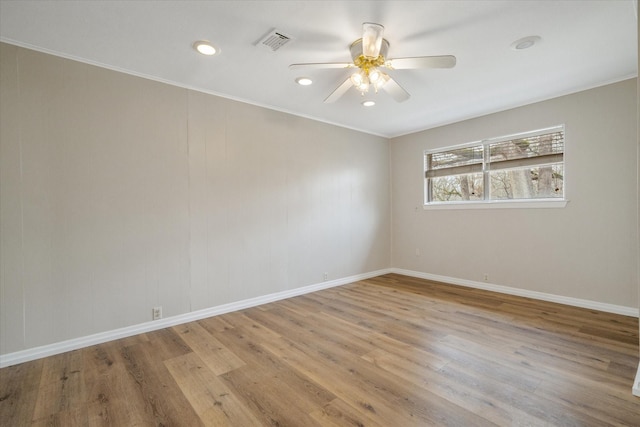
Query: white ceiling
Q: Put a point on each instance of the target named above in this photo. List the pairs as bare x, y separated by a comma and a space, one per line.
584, 44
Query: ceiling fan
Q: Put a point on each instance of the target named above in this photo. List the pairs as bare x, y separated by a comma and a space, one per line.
369, 55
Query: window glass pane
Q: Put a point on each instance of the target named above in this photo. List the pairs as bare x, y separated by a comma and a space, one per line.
457, 157
517, 167
457, 188
533, 146
542, 182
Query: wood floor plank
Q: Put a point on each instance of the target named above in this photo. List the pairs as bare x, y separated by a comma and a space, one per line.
164, 344
216, 323
163, 401
343, 358
387, 351
62, 386
210, 397
569, 368
610, 409
72, 417
381, 341
269, 385
363, 386
114, 400
272, 400
112, 395
338, 413
240, 320
288, 323
300, 305
19, 389
493, 410
410, 333
212, 352
548, 410
617, 335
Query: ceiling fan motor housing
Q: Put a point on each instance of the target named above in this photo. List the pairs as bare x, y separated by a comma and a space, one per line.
365, 62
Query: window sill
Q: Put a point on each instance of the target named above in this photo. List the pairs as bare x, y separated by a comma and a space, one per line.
502, 204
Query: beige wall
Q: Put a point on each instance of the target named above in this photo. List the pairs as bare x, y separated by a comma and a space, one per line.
637, 380
587, 250
119, 194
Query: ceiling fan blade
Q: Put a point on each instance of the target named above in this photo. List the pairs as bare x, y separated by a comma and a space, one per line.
321, 65
395, 90
445, 61
371, 39
340, 90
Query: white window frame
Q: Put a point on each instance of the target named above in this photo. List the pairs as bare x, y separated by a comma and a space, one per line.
493, 204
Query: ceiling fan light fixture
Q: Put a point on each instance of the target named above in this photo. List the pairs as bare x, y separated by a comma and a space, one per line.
374, 75
380, 81
363, 87
368, 103
205, 47
359, 78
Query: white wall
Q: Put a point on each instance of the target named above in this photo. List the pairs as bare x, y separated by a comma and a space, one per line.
119, 194
587, 250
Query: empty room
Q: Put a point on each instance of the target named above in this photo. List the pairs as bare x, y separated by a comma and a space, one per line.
319, 213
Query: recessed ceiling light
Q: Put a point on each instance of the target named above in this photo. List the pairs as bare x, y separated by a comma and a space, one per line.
204, 47
525, 42
368, 103
304, 81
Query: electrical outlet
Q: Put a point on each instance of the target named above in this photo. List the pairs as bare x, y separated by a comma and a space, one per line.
486, 277
325, 276
157, 313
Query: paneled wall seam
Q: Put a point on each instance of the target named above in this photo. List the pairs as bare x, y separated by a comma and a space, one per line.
20, 151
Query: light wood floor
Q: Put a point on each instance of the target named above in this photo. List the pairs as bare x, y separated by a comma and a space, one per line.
389, 351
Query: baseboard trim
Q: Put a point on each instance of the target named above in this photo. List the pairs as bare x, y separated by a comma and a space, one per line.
576, 302
636, 384
27, 355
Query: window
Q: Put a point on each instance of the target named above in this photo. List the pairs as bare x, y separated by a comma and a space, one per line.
527, 166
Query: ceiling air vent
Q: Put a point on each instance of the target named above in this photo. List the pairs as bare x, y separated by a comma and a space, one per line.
274, 40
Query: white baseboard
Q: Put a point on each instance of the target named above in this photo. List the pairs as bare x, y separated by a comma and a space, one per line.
576, 302
99, 338
636, 384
